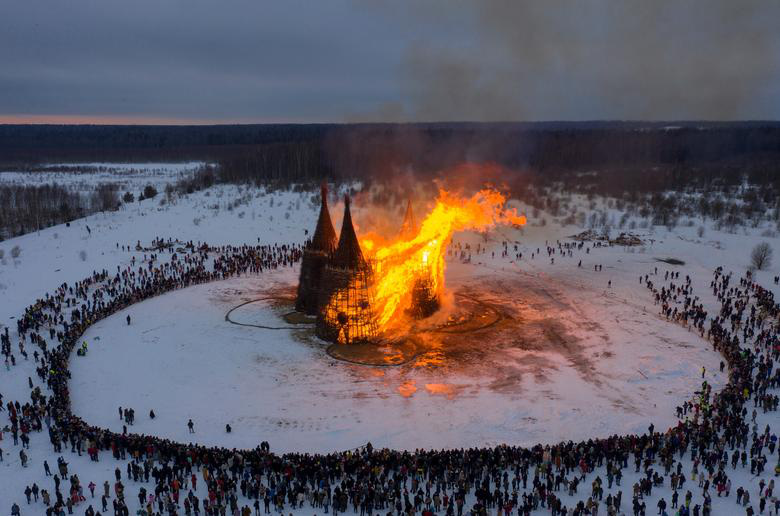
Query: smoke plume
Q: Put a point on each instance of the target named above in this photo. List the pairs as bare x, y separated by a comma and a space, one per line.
600, 59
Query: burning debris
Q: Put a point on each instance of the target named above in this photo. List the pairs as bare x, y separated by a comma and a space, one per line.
401, 265
359, 297
425, 299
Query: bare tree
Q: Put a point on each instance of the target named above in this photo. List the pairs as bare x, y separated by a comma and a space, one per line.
105, 197
761, 256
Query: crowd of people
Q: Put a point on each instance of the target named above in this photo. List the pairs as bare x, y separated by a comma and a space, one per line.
717, 432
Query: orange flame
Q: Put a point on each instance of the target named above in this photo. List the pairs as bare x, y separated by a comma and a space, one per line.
398, 265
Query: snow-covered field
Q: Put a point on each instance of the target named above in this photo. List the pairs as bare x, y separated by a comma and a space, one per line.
619, 368
83, 177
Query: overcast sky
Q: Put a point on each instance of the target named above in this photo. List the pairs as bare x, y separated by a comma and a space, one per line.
337, 60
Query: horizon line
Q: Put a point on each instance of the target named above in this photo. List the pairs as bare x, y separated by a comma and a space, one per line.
154, 121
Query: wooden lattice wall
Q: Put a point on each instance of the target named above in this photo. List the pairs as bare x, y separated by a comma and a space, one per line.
346, 306
313, 265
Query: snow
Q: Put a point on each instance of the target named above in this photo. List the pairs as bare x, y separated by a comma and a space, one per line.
182, 359
268, 383
83, 177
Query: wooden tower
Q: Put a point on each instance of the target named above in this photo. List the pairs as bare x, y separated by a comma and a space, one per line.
315, 258
425, 300
409, 227
345, 305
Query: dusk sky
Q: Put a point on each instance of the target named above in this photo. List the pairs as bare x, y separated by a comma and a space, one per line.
196, 61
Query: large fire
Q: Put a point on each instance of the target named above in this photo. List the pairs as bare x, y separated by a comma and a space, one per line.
404, 264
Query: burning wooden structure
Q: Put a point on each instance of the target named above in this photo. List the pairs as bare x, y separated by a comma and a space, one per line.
356, 297
409, 226
315, 258
425, 300
345, 311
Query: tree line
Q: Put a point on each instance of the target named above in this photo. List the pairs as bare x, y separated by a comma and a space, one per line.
634, 161
24, 209
371, 150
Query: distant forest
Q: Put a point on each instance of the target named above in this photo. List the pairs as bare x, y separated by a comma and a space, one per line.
606, 158
622, 152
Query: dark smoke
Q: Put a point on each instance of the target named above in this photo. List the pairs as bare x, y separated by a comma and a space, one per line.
650, 60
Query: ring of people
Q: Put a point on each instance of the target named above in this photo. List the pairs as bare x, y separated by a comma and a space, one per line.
217, 390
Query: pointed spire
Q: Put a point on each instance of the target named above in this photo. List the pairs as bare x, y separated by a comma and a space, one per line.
348, 254
409, 227
324, 238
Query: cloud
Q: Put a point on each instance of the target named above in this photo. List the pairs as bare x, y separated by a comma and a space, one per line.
241, 60
407, 60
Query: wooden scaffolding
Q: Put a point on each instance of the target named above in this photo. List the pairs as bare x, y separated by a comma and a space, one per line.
345, 312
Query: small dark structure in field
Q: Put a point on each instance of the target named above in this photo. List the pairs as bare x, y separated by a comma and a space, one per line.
671, 261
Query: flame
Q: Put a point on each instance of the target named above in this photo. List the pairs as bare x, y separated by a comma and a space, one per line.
400, 265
